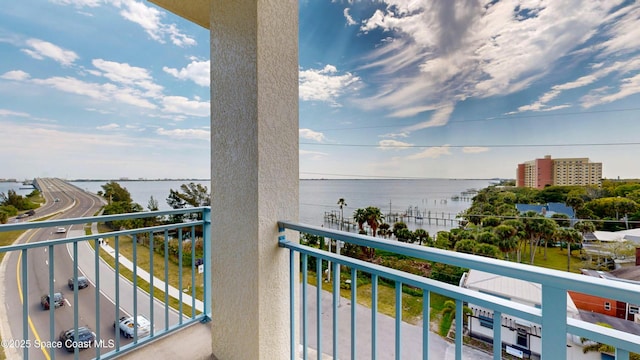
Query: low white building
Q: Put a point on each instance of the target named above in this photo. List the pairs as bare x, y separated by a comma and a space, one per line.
520, 338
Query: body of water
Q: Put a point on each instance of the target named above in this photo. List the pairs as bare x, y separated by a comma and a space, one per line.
20, 189
319, 198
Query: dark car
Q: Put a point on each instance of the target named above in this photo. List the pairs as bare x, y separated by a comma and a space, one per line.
82, 282
86, 339
58, 301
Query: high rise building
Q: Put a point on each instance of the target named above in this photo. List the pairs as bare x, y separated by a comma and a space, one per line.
539, 173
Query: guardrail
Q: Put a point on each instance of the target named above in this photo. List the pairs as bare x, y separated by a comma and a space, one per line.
551, 315
111, 345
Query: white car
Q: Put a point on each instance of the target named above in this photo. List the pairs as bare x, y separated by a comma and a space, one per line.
126, 326
61, 230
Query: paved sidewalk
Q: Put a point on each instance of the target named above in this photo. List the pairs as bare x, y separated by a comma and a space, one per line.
143, 274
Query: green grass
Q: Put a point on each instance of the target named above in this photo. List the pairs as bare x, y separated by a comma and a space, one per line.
143, 259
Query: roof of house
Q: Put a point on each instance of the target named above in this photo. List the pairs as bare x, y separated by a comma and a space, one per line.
617, 323
547, 209
517, 290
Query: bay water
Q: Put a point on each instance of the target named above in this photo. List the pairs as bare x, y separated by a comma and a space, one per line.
319, 198
442, 198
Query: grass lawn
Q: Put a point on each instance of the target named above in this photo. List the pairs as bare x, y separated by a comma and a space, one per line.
411, 305
143, 258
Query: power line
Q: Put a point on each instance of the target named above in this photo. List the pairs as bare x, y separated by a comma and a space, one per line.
408, 146
509, 117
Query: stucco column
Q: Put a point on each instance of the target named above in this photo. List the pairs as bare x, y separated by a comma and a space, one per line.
254, 173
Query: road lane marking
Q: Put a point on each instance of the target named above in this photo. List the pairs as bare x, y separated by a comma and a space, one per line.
67, 302
33, 328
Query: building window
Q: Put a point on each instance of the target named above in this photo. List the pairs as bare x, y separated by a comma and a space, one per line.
607, 306
634, 310
522, 338
486, 321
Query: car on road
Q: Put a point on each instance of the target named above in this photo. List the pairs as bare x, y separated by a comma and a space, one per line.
86, 339
126, 325
83, 282
58, 301
61, 230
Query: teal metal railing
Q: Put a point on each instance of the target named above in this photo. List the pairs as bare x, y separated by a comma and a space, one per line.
122, 296
551, 315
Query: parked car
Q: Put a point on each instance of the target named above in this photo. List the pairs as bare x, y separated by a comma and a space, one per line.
125, 324
58, 301
83, 282
61, 230
86, 339
30, 212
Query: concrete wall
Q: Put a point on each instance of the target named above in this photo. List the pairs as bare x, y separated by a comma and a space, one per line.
254, 173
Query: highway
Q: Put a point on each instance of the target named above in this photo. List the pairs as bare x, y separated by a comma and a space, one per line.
73, 203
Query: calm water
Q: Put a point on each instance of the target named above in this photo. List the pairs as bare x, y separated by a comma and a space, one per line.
16, 186
320, 197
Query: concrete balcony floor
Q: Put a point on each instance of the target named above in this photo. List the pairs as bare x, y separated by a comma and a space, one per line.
193, 343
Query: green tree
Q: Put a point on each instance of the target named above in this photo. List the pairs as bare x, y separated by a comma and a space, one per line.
3, 217
488, 250
466, 246
422, 236
397, 226
575, 202
374, 218
341, 204
405, 235
569, 236
113, 192
562, 220
384, 230
360, 217
491, 221
537, 228
506, 235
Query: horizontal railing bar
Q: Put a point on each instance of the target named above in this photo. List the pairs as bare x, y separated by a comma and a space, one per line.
67, 240
102, 218
522, 311
604, 335
564, 280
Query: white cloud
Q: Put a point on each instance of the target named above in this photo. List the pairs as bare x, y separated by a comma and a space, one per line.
442, 52
629, 86
312, 155
17, 75
311, 135
40, 50
148, 17
78, 3
439, 117
393, 145
325, 84
182, 105
197, 71
198, 134
5, 112
108, 127
431, 153
348, 17
103, 92
474, 149
128, 75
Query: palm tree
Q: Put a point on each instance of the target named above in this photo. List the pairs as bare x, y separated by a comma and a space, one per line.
421, 235
341, 204
506, 238
360, 217
374, 218
570, 237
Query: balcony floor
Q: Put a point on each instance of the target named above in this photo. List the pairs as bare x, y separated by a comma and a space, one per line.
193, 342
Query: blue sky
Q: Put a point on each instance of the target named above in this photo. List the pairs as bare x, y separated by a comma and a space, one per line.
394, 88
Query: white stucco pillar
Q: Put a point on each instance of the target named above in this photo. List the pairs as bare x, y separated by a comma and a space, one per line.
254, 173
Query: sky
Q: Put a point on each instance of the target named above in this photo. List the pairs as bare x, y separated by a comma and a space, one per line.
110, 89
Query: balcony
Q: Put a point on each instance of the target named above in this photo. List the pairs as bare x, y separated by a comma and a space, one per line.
339, 330
46, 260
